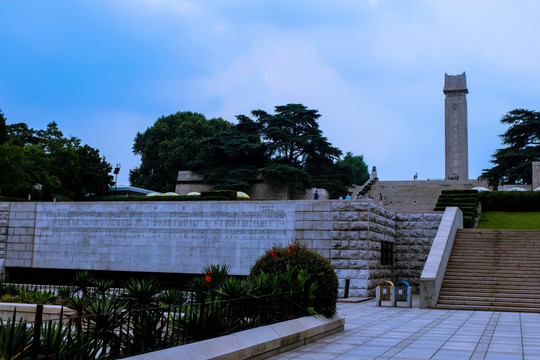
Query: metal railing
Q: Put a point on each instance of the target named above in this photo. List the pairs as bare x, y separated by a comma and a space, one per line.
111, 329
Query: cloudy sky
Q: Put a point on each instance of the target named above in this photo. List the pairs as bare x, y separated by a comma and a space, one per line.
107, 69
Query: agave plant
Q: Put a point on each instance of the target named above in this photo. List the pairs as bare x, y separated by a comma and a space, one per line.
64, 292
146, 332
173, 297
234, 288
103, 286
106, 317
83, 281
15, 338
79, 305
141, 293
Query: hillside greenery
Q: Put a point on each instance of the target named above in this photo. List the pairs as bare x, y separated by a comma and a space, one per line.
283, 148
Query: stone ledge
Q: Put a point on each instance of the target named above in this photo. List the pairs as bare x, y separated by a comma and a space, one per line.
258, 343
28, 311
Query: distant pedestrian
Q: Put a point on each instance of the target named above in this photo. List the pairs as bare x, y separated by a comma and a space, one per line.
316, 195
415, 177
348, 197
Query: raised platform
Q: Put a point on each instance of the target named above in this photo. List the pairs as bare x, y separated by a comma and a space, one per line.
404, 194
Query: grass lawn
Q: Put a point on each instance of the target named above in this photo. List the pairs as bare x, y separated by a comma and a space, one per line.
509, 220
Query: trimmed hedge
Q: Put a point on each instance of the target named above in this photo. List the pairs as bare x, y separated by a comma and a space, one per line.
465, 200
226, 194
510, 200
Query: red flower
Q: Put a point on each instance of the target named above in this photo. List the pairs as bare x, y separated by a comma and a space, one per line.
208, 277
290, 250
273, 254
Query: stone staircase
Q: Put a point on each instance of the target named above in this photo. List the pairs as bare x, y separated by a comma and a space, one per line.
493, 270
403, 194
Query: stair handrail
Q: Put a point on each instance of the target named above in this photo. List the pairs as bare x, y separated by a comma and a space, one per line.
435, 266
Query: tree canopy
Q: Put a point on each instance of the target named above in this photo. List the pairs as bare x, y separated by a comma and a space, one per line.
62, 166
170, 145
286, 147
513, 164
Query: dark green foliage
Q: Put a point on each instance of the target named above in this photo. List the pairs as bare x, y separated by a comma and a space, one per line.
465, 200
284, 148
172, 296
216, 194
14, 336
3, 128
277, 261
231, 158
61, 165
298, 151
234, 288
141, 293
513, 164
357, 166
170, 145
510, 200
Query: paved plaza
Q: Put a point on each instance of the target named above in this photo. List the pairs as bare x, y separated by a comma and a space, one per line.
400, 333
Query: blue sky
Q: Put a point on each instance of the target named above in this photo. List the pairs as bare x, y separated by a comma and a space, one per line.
105, 70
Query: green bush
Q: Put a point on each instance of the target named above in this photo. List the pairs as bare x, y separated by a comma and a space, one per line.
510, 200
225, 194
275, 261
465, 200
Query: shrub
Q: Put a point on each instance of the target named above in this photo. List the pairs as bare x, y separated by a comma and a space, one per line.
275, 261
510, 200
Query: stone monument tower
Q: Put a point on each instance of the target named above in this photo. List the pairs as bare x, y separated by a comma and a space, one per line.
455, 127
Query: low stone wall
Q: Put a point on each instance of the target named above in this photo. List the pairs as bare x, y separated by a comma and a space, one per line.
27, 312
182, 237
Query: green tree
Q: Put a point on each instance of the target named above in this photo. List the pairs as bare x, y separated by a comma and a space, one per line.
171, 145
513, 164
231, 158
61, 165
3, 128
295, 145
357, 167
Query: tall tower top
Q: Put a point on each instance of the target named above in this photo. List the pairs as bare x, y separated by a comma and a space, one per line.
455, 83
455, 120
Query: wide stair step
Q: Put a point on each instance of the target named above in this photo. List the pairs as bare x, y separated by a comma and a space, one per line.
493, 270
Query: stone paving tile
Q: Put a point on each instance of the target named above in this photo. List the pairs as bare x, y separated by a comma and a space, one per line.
406, 334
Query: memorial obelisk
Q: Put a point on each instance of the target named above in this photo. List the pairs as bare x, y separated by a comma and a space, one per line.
455, 127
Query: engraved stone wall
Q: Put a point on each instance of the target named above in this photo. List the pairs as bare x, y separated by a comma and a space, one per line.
183, 237
155, 237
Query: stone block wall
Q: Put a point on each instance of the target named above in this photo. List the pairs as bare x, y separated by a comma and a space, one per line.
4, 223
414, 236
358, 229
20, 234
181, 237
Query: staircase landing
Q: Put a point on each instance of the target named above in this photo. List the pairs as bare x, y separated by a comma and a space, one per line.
403, 194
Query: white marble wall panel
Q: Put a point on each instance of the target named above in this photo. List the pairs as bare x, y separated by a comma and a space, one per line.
159, 237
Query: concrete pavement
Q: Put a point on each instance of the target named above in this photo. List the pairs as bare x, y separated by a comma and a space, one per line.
405, 334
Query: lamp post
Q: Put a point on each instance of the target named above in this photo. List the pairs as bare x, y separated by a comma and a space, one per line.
116, 171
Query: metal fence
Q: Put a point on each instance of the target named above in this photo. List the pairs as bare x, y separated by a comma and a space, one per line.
110, 329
